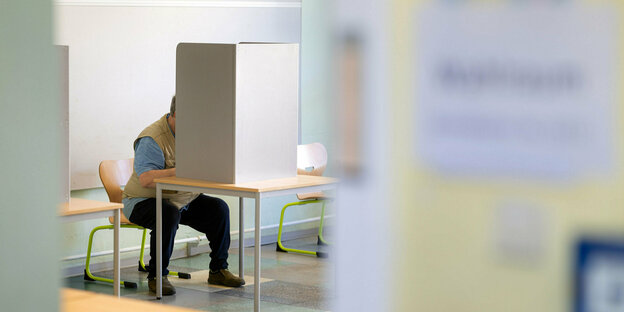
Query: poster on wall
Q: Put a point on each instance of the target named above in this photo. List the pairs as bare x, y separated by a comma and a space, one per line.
510, 101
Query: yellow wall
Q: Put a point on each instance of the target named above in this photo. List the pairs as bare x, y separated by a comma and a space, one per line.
448, 260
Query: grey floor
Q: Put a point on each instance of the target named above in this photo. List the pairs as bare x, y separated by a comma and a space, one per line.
289, 282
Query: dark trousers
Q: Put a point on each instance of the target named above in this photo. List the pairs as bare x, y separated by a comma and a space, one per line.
205, 214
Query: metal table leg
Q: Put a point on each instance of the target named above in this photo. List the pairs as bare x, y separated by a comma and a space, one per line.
158, 241
241, 238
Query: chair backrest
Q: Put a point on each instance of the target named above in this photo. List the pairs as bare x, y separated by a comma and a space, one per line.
114, 174
311, 159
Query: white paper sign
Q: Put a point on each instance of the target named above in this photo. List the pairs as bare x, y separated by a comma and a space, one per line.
516, 91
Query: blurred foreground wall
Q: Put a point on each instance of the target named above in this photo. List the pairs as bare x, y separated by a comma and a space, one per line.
506, 126
30, 152
481, 142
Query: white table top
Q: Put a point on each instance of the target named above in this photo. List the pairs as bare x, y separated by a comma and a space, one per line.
77, 206
256, 186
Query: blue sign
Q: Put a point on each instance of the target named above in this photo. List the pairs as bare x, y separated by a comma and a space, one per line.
599, 276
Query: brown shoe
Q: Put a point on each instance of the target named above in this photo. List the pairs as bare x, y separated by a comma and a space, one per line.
167, 288
225, 278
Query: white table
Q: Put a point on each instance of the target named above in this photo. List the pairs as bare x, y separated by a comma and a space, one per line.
256, 190
79, 209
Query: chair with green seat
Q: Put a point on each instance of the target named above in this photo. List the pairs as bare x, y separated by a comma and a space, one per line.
311, 160
113, 174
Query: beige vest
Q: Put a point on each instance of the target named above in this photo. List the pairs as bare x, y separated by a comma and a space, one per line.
161, 133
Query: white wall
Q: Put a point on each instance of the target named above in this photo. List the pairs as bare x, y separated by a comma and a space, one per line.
122, 63
318, 110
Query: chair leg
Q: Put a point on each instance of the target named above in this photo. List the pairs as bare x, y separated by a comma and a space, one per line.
144, 268
181, 275
321, 241
87, 272
280, 246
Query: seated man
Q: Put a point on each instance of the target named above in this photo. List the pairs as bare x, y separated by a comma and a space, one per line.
154, 157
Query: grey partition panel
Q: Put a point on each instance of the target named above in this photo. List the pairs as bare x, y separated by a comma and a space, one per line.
205, 94
63, 62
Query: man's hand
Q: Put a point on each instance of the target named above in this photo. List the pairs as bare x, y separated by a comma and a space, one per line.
147, 178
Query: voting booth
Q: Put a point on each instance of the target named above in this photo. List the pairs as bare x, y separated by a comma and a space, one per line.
237, 111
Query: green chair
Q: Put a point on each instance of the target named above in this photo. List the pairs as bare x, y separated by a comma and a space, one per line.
311, 160
113, 174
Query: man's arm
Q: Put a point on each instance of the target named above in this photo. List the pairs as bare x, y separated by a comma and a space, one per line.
149, 162
147, 178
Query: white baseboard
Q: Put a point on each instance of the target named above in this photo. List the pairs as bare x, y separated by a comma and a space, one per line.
187, 250
197, 239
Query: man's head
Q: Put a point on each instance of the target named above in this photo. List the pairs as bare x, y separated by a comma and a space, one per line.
172, 114
172, 108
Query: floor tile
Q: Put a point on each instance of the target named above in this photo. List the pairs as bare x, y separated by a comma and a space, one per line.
199, 281
280, 292
290, 282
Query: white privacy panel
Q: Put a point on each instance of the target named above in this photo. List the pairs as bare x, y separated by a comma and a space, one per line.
237, 111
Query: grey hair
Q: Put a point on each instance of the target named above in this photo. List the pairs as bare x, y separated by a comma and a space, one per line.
172, 109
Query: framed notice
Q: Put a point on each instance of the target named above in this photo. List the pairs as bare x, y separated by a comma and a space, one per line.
512, 101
